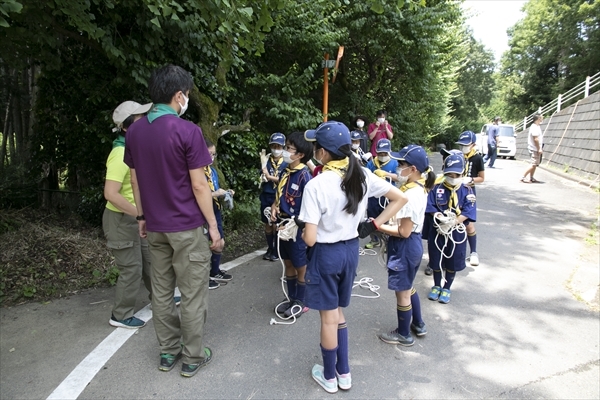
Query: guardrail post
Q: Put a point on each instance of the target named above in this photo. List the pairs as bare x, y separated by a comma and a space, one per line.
558, 101
524, 123
587, 87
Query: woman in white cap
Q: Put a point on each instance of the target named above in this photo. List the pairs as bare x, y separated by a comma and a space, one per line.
120, 226
332, 209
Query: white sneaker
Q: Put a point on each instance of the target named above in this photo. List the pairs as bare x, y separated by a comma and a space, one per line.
474, 260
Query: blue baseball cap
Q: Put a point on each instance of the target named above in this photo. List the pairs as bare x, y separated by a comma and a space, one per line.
331, 135
454, 163
413, 155
355, 135
277, 138
466, 138
383, 146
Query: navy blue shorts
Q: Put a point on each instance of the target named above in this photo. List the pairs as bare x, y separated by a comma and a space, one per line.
457, 261
330, 274
404, 258
266, 200
294, 251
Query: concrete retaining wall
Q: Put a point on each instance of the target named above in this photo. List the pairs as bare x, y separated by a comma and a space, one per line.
571, 139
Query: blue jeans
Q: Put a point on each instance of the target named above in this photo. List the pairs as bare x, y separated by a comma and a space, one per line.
491, 155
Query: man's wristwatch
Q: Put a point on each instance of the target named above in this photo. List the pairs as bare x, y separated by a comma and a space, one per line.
140, 217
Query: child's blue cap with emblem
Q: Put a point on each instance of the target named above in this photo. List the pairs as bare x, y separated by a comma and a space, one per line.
454, 163
277, 138
466, 138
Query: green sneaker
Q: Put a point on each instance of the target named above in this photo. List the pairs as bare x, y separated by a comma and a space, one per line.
435, 293
168, 361
445, 296
189, 370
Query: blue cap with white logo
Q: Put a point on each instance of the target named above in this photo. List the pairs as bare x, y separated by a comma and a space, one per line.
277, 138
466, 138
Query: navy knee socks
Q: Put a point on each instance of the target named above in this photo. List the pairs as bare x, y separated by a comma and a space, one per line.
342, 366
416, 307
472, 239
404, 316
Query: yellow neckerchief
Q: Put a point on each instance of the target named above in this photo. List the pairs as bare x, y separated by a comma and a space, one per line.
211, 184
275, 164
284, 179
377, 162
470, 154
338, 166
410, 185
453, 201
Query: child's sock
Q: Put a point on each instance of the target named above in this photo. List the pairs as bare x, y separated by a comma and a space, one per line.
329, 357
416, 307
472, 239
404, 315
269, 237
300, 290
449, 278
215, 263
342, 366
292, 285
437, 277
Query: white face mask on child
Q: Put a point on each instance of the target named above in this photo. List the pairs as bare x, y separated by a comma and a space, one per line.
360, 124
287, 157
355, 146
453, 181
277, 153
381, 120
383, 158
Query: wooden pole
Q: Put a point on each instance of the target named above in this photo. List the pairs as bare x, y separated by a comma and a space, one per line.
325, 88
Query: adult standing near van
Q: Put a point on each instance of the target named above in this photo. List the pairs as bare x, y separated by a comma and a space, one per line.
380, 129
493, 133
535, 145
167, 156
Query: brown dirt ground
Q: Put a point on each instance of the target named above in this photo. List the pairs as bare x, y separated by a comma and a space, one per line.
51, 256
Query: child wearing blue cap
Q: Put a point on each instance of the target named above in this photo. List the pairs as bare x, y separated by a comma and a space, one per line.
287, 204
384, 167
331, 209
272, 166
474, 173
451, 204
405, 247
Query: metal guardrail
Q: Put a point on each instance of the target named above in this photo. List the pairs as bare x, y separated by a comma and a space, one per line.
564, 99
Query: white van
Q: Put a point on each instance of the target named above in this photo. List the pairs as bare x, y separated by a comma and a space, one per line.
507, 142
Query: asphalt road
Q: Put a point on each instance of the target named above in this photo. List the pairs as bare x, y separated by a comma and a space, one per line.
520, 325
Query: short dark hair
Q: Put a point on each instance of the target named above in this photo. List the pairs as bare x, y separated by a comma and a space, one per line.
537, 116
128, 121
301, 144
379, 113
165, 82
361, 117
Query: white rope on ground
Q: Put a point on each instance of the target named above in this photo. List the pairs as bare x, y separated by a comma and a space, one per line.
365, 283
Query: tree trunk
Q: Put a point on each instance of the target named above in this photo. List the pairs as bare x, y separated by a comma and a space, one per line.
5, 133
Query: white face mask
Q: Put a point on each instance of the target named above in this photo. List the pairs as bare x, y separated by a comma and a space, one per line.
319, 162
355, 146
381, 120
383, 158
360, 124
287, 157
453, 181
277, 153
184, 106
465, 149
401, 179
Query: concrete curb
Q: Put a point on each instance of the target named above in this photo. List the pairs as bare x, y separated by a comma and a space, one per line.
582, 181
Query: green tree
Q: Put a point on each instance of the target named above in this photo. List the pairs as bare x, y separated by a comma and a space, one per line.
552, 49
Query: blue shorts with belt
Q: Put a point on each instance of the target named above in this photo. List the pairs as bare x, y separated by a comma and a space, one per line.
294, 251
404, 259
330, 274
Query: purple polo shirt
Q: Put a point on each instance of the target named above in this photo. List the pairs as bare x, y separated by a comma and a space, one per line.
162, 153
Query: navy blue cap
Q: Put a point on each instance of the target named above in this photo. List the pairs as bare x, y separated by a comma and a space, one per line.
454, 163
355, 135
413, 155
277, 138
467, 138
383, 146
331, 135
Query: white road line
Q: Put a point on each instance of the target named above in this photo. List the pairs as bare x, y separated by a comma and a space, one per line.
82, 375
79, 378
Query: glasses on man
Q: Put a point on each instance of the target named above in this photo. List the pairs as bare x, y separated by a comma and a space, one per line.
290, 149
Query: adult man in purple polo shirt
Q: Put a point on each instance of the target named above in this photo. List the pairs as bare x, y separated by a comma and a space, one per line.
167, 155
